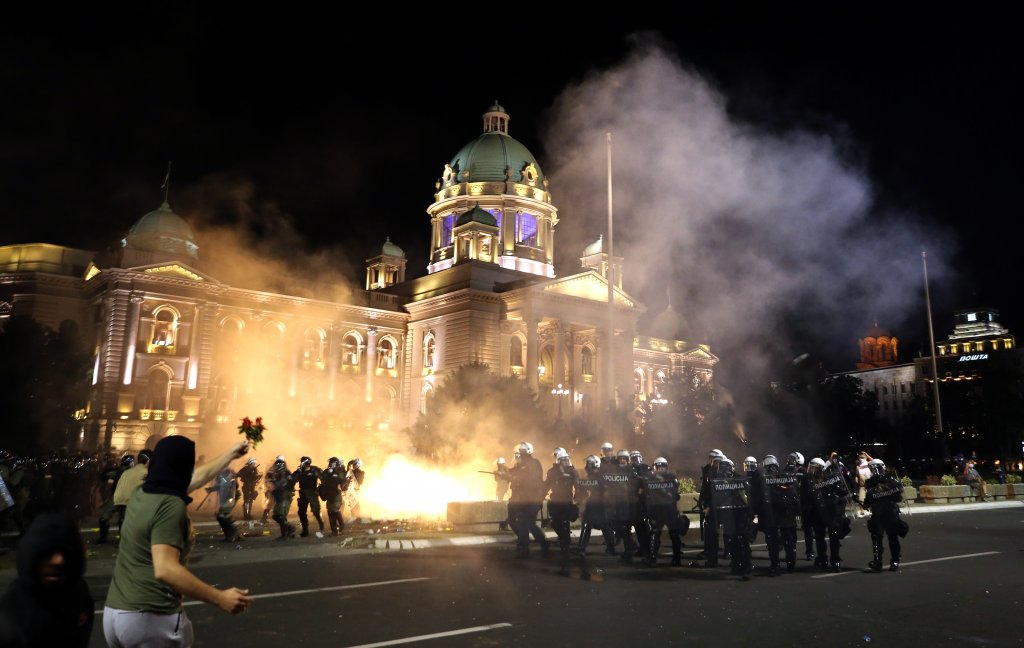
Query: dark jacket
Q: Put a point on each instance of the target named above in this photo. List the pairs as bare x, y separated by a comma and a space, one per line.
33, 613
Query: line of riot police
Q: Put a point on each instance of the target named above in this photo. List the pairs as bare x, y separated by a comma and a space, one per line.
632, 503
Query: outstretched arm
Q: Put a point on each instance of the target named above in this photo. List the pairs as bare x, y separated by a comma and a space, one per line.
168, 570
206, 472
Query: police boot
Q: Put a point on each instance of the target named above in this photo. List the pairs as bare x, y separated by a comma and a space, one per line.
584, 540
247, 511
651, 556
104, 530
281, 525
876, 554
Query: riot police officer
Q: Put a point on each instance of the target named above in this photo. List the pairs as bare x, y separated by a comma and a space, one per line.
704, 501
560, 486
827, 486
333, 483
282, 483
526, 500
660, 495
308, 478
226, 487
731, 498
779, 505
883, 495
249, 476
501, 481
620, 491
795, 465
641, 522
588, 500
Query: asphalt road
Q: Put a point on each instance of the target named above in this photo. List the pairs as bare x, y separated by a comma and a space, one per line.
960, 585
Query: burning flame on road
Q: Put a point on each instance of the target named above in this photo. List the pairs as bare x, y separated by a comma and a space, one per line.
404, 489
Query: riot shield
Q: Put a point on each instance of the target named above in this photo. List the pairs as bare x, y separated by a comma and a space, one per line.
783, 494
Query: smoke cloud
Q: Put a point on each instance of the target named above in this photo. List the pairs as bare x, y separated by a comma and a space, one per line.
771, 244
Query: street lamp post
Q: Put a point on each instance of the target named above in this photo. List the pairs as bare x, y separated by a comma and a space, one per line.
558, 392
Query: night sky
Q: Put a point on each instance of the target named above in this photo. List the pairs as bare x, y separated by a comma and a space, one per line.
340, 123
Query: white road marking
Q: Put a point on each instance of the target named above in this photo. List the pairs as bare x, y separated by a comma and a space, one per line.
916, 562
436, 635
318, 589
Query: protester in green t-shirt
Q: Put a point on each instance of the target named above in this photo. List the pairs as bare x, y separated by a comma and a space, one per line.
150, 577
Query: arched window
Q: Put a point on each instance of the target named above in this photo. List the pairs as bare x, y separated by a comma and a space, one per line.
158, 389
587, 361
351, 350
387, 352
639, 382
313, 349
425, 396
165, 328
429, 347
546, 365
515, 352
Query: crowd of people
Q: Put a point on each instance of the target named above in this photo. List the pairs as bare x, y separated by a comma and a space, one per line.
98, 486
631, 503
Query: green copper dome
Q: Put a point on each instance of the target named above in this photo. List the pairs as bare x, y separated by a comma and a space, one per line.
495, 156
390, 249
597, 247
161, 230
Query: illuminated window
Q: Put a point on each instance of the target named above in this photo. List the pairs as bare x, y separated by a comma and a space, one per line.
526, 229
425, 397
350, 350
639, 382
165, 328
313, 349
429, 347
972, 317
546, 368
587, 361
515, 352
446, 230
386, 354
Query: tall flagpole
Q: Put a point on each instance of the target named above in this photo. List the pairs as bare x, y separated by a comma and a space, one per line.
931, 340
166, 186
611, 288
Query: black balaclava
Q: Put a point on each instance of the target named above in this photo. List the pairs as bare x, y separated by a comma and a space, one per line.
170, 469
48, 534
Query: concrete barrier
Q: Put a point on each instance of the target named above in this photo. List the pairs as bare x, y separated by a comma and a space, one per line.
946, 494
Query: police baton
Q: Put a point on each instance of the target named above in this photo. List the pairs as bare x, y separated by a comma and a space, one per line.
208, 493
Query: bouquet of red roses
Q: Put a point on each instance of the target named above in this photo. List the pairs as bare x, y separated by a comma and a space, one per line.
252, 431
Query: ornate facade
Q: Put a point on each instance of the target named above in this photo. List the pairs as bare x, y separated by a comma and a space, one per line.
177, 351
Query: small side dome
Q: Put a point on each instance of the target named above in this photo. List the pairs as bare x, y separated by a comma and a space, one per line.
670, 325
390, 249
477, 215
597, 247
161, 230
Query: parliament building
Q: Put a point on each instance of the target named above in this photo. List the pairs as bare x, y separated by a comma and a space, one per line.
168, 339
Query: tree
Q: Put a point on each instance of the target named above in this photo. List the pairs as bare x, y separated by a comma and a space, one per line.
475, 412
44, 382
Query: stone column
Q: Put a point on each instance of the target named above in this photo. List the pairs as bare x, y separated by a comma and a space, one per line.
532, 353
332, 359
559, 364
193, 349
133, 338
371, 361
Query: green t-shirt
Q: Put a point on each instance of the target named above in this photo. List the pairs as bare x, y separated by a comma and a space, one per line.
150, 519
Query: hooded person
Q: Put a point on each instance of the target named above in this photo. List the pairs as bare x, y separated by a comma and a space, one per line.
49, 603
150, 579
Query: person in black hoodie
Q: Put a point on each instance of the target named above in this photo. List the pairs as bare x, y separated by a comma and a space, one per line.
49, 603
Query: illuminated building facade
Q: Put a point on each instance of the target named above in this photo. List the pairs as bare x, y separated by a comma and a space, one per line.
174, 350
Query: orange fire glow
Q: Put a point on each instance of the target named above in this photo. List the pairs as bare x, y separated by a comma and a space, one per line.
403, 489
